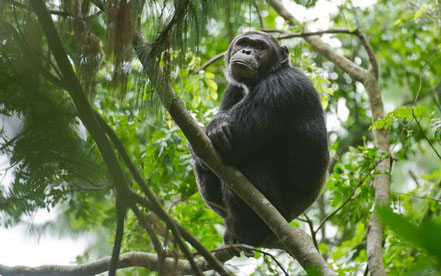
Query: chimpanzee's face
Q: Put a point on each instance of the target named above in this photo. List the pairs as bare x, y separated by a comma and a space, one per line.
254, 54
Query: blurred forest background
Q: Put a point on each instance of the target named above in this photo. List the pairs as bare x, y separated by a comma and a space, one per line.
52, 157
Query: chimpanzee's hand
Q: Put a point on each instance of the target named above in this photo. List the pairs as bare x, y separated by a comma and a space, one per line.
219, 132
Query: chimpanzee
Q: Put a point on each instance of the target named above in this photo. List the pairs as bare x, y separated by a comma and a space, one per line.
270, 126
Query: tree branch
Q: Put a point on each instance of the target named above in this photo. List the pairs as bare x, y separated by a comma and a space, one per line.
357, 32
212, 60
369, 51
131, 259
311, 228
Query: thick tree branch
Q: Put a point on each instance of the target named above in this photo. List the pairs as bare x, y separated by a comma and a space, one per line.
357, 32
133, 259
370, 82
297, 242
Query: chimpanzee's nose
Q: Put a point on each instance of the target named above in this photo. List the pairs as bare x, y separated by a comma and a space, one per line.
246, 51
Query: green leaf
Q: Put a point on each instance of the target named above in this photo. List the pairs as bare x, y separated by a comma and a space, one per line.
378, 124
213, 94
399, 224
421, 111
211, 84
209, 75
426, 236
324, 101
403, 112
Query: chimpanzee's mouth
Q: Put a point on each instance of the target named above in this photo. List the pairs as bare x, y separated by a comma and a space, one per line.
242, 63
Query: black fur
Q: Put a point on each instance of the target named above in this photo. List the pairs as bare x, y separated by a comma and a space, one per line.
273, 130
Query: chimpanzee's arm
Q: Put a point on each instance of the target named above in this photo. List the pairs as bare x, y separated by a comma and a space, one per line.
232, 95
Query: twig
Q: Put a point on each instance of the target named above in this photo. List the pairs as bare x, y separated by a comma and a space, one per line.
85, 111
180, 12
262, 26
9, 142
360, 182
420, 197
212, 60
420, 84
414, 177
418, 122
286, 36
272, 31
251, 248
301, 219
28, 51
370, 53
311, 228
156, 243
322, 215
23, 6
424, 135
306, 34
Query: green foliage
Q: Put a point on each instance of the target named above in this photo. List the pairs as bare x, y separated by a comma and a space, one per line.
402, 113
49, 154
55, 164
423, 237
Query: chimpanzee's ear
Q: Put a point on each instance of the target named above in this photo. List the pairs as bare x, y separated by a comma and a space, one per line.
284, 55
